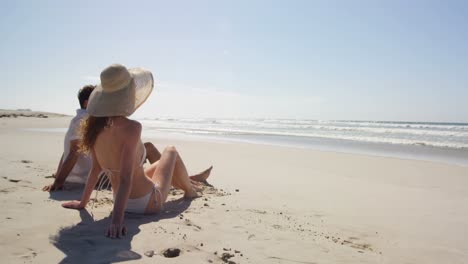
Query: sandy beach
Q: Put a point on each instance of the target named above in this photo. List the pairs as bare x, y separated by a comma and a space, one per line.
267, 205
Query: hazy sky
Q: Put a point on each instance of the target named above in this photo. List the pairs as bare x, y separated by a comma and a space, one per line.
362, 60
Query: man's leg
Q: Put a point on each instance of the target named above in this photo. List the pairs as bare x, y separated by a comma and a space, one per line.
152, 153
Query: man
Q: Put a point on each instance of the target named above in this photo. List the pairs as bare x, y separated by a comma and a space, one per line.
73, 166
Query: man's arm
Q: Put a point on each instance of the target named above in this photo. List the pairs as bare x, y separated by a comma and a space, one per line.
59, 166
67, 164
93, 178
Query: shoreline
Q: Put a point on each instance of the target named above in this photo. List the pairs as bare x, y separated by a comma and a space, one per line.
444, 155
308, 131
450, 156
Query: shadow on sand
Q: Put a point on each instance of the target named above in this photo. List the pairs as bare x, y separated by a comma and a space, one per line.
73, 191
86, 242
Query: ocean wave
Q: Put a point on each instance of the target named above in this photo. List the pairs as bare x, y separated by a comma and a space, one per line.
449, 135
447, 132
360, 138
311, 123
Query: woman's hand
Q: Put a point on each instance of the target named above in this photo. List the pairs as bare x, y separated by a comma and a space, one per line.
74, 205
116, 231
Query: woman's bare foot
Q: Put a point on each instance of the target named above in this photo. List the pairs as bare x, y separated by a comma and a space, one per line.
197, 186
202, 176
192, 194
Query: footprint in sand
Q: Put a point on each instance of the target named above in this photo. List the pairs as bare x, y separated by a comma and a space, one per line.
277, 227
351, 241
189, 223
14, 180
292, 260
30, 254
257, 211
213, 191
362, 246
228, 254
8, 190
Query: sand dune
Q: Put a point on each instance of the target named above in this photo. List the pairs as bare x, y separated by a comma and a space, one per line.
27, 113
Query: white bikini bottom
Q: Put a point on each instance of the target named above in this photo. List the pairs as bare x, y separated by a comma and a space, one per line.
138, 205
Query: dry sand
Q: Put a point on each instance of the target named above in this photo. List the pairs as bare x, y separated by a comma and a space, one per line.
268, 205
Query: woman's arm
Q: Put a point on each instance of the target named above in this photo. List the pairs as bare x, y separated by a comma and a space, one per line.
90, 184
127, 162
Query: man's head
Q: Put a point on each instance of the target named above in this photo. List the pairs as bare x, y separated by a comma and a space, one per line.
83, 95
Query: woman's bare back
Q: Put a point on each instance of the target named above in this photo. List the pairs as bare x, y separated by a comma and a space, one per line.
108, 150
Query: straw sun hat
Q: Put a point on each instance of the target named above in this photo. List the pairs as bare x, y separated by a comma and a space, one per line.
121, 91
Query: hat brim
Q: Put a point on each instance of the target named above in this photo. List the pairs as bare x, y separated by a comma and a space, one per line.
125, 101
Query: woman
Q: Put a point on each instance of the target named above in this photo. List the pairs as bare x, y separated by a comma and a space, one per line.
117, 151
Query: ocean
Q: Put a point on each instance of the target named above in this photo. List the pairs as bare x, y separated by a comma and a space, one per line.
446, 142
441, 142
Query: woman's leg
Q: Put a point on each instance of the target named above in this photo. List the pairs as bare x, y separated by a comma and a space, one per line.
202, 176
170, 170
199, 177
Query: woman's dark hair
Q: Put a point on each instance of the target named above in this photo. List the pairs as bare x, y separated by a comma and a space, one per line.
90, 128
84, 94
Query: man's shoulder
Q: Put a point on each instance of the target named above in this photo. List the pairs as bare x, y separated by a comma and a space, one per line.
75, 123
81, 114
78, 117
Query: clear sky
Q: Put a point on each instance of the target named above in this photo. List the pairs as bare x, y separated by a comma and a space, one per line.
360, 60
